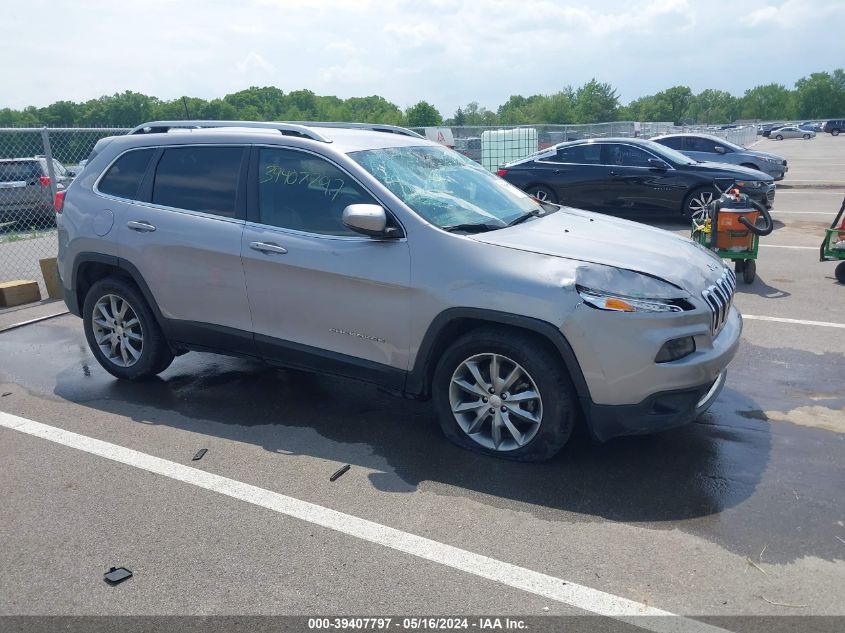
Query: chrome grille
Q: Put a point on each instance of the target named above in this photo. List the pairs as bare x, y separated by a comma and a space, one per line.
770, 195
719, 297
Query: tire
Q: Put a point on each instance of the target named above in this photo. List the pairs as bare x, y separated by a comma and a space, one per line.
545, 423
779, 137
835, 132
806, 137
135, 357
840, 272
698, 199
542, 193
749, 271
739, 266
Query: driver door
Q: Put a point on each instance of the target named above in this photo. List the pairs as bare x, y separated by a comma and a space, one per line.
321, 295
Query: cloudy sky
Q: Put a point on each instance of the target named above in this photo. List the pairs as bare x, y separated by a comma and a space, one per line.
448, 52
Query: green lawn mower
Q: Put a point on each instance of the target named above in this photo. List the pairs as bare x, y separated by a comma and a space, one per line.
833, 246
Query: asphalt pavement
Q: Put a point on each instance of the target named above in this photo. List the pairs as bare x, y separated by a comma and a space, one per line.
740, 513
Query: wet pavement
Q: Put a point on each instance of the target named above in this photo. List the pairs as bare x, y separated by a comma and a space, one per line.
728, 515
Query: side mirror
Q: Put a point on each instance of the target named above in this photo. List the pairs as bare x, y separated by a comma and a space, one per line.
719, 149
656, 163
368, 219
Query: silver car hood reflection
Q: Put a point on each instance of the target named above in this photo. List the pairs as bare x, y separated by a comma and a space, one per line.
591, 237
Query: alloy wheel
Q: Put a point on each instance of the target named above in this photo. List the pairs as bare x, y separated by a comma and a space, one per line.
496, 402
699, 204
117, 330
541, 195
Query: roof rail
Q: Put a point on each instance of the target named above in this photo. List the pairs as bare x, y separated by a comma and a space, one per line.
375, 127
294, 129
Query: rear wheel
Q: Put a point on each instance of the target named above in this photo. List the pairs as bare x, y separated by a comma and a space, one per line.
840, 272
779, 137
543, 194
697, 202
749, 271
504, 394
122, 332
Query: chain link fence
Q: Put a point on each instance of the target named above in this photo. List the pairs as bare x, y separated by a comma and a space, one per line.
35, 164
493, 146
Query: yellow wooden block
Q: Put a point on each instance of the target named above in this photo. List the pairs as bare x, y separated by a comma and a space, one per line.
15, 293
51, 277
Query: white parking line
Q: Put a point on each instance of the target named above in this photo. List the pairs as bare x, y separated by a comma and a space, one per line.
812, 248
753, 317
779, 212
804, 192
557, 589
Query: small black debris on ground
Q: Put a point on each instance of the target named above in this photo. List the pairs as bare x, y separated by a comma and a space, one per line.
339, 472
199, 454
116, 575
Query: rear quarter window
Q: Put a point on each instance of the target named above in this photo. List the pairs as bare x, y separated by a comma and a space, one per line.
124, 177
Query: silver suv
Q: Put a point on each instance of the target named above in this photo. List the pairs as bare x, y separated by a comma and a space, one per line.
372, 253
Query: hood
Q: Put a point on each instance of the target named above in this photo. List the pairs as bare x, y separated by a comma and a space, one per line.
752, 152
590, 237
731, 171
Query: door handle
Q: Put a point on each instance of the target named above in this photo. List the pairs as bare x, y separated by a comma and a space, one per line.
268, 247
143, 227
614, 173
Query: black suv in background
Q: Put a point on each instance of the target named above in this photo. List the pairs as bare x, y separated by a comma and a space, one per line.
26, 199
834, 126
628, 176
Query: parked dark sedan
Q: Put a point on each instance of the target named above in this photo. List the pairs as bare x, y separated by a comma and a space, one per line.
630, 176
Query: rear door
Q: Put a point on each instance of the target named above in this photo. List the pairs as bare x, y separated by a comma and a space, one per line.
322, 296
576, 175
184, 237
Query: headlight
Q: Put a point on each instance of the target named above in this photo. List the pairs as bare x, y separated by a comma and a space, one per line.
750, 184
620, 290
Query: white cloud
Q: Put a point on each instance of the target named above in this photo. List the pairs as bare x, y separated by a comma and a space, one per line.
253, 61
447, 52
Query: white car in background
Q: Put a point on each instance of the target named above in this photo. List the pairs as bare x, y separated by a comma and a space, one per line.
791, 131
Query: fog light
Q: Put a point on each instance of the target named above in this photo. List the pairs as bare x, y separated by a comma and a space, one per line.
675, 349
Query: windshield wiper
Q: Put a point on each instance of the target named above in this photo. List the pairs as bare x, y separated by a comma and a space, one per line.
525, 216
473, 228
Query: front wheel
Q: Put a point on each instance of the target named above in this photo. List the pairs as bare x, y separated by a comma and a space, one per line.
504, 394
779, 137
698, 202
806, 137
543, 194
122, 332
840, 272
834, 132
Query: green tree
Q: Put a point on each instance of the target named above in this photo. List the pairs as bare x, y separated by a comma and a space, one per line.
769, 102
423, 114
713, 106
595, 102
820, 95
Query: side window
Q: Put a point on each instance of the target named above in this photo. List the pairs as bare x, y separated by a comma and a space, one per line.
304, 192
124, 177
698, 144
199, 179
673, 142
587, 154
627, 156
